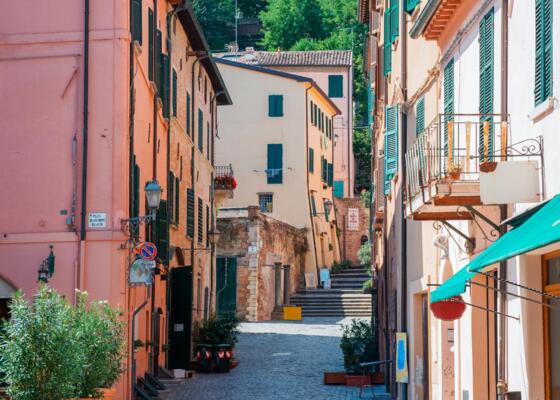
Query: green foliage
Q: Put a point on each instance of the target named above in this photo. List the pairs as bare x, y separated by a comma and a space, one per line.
361, 142
365, 197
367, 286
217, 18
357, 344
102, 341
217, 330
53, 351
340, 266
41, 355
364, 254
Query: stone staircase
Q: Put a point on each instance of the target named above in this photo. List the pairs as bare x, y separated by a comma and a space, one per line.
344, 299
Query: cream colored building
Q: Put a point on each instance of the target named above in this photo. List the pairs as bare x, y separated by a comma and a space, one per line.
278, 139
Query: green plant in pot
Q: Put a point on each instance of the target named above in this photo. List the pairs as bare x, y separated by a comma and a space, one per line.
217, 330
40, 350
357, 347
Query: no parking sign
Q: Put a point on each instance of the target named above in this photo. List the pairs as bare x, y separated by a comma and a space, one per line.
148, 251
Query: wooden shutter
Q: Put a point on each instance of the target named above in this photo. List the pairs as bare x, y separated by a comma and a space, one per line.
159, 50
150, 44
313, 206
136, 24
420, 116
200, 130
190, 213
275, 105
394, 20
200, 221
335, 85
171, 195
543, 50
387, 53
174, 93
311, 160
207, 224
177, 200
311, 112
391, 145
486, 87
165, 84
448, 100
338, 189
330, 174
274, 164
162, 232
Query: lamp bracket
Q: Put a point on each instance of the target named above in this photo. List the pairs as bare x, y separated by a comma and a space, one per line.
130, 226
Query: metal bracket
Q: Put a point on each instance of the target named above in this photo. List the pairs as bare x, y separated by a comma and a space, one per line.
470, 242
483, 217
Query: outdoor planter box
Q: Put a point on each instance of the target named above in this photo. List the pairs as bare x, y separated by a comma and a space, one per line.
339, 378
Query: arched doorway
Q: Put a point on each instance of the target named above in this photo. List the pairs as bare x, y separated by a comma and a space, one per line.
7, 291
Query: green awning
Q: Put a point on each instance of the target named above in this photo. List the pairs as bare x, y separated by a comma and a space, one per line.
540, 230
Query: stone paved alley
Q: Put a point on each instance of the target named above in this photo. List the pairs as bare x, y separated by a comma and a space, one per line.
278, 360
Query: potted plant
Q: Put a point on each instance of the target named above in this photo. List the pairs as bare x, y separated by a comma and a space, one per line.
102, 342
41, 352
216, 336
453, 171
357, 347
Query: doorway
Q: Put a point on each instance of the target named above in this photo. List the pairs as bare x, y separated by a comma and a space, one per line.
425, 348
551, 275
180, 317
226, 286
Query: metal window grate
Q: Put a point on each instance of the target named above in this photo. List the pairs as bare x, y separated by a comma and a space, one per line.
265, 202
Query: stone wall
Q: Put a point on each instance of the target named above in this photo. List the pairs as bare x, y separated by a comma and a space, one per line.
350, 240
258, 242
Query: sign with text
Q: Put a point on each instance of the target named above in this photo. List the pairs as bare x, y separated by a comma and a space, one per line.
353, 219
97, 220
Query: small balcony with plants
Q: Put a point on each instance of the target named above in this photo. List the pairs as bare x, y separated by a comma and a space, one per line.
224, 182
445, 163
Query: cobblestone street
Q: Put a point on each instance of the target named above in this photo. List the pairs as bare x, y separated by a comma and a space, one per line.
278, 360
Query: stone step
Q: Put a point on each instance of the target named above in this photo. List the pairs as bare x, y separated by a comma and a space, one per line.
336, 314
350, 273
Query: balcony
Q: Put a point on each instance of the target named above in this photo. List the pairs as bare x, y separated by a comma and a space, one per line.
224, 182
444, 164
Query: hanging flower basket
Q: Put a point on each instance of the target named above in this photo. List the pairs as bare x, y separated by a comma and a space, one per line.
450, 309
227, 182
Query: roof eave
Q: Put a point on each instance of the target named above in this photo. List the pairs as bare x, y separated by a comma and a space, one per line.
424, 18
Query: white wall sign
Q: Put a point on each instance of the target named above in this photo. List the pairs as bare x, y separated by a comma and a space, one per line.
353, 219
511, 182
97, 220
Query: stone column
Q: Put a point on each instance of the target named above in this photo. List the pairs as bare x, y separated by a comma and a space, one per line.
277, 312
286, 269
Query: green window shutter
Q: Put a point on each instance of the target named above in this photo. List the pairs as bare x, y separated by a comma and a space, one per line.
335, 85
391, 158
200, 221
200, 130
448, 99
150, 44
159, 52
171, 195
543, 50
207, 223
410, 5
315, 112
311, 112
162, 232
313, 206
324, 169
188, 113
136, 23
338, 189
274, 164
394, 20
174, 93
165, 84
330, 174
275, 105
190, 213
486, 87
135, 194
420, 116
387, 51
311, 160
177, 201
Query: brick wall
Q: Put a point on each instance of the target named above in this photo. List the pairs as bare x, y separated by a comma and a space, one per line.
350, 240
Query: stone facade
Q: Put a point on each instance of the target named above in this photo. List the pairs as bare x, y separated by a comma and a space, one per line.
258, 242
350, 238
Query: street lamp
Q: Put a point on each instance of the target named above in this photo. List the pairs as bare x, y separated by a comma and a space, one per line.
327, 206
153, 197
46, 269
214, 236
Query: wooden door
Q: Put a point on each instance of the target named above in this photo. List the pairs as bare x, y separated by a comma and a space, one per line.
551, 272
180, 317
226, 286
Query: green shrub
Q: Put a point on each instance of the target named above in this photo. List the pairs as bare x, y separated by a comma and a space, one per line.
340, 266
357, 345
364, 254
367, 286
217, 330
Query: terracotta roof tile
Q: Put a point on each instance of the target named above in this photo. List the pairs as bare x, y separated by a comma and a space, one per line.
291, 58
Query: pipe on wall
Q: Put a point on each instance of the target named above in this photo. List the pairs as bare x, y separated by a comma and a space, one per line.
85, 127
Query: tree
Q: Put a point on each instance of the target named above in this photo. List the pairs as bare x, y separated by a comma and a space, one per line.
217, 18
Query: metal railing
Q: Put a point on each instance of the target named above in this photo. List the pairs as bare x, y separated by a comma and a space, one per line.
223, 177
223, 171
453, 147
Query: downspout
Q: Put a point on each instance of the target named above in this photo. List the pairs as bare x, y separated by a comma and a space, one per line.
307, 180
154, 151
501, 384
404, 283
86, 123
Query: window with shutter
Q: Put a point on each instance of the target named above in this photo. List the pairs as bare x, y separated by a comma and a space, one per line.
325, 209
174, 93
135, 194
311, 160
448, 101
335, 85
486, 88
165, 84
200, 221
188, 113
171, 195
387, 53
420, 116
200, 130
158, 58
190, 213
275, 105
177, 201
330, 174
150, 44
311, 109
136, 24
313, 206
274, 172
543, 50
325, 170
394, 20
390, 146
162, 232
338, 189
207, 224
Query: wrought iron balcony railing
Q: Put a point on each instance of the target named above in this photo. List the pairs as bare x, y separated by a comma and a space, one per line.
454, 147
224, 178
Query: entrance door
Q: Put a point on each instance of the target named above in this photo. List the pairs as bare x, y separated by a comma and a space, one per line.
552, 325
425, 348
180, 317
226, 286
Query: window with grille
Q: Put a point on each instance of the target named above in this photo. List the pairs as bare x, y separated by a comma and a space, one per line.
265, 202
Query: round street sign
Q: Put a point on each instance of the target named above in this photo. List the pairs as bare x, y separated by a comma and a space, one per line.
148, 251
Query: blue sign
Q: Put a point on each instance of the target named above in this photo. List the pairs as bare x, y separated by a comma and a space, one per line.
148, 251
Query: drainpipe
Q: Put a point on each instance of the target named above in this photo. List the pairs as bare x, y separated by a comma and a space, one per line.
154, 113
501, 384
134, 314
404, 283
307, 180
86, 122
